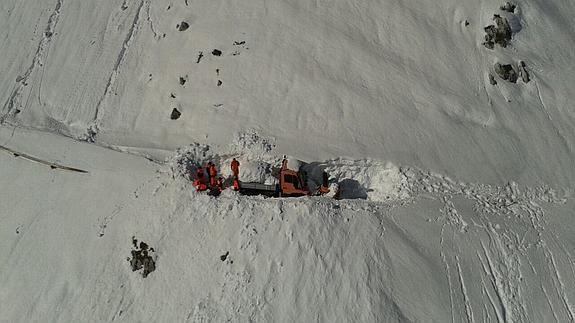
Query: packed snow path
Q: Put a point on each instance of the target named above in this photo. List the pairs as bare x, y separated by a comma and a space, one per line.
449, 252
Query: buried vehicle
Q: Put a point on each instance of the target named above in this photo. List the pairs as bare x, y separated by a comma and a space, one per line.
291, 183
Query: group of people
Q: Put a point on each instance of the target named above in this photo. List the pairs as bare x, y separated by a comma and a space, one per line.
214, 183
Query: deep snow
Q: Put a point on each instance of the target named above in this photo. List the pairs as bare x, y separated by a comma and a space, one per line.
457, 193
393, 80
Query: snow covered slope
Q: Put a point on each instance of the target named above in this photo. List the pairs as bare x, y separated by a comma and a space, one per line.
459, 191
459, 252
396, 80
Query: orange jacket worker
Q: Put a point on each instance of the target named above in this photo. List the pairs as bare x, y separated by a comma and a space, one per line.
235, 168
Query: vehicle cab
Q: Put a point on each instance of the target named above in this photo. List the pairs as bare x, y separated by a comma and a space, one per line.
291, 183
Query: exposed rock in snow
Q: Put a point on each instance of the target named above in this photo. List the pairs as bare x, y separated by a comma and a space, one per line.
523, 73
143, 258
492, 80
234, 257
471, 219
506, 72
175, 115
500, 33
509, 7
183, 26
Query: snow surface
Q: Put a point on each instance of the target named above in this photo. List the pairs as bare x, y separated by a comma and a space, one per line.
457, 194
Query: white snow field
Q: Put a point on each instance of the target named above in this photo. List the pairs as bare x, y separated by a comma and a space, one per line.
457, 193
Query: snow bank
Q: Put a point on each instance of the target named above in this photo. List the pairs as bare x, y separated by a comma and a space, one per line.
369, 179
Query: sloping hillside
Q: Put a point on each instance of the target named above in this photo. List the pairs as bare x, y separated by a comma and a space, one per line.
459, 155
402, 81
446, 251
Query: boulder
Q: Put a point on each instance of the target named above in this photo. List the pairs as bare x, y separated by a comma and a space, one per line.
492, 80
500, 33
183, 26
509, 7
506, 72
523, 73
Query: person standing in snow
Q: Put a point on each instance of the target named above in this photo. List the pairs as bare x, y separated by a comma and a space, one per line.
200, 174
212, 173
208, 172
236, 184
235, 169
199, 183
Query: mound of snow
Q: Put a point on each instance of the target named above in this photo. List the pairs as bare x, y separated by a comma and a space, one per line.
368, 179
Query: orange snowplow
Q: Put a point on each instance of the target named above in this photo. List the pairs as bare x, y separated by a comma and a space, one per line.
291, 184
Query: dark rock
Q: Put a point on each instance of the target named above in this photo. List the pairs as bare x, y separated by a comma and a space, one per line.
503, 32
149, 265
489, 44
509, 7
183, 26
200, 55
217, 52
219, 83
175, 114
523, 73
225, 256
500, 33
182, 80
492, 80
506, 72
142, 258
237, 43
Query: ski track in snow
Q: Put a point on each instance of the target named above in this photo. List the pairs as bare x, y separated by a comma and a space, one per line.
497, 309
157, 34
502, 255
501, 277
14, 102
558, 281
93, 130
501, 252
549, 303
468, 310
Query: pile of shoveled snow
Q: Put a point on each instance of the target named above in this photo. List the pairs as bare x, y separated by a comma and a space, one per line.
369, 179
